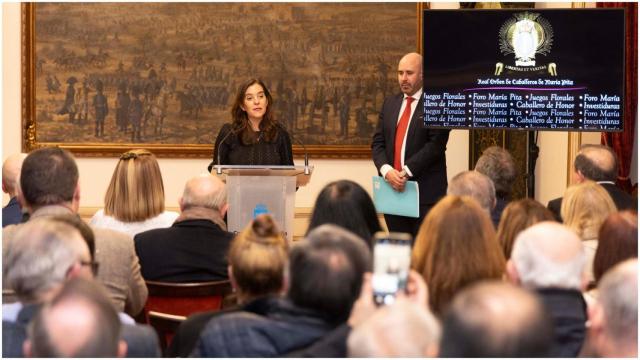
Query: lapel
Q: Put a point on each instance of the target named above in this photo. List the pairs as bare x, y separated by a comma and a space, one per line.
393, 118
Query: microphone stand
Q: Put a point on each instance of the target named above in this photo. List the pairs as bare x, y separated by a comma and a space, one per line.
218, 166
307, 171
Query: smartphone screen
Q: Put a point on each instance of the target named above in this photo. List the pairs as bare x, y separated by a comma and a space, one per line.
391, 260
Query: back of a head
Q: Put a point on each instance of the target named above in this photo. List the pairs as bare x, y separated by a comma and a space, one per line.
346, 204
476, 185
83, 228
326, 271
618, 296
259, 256
78, 322
136, 190
40, 256
596, 163
517, 216
495, 319
549, 255
584, 208
497, 163
403, 329
451, 257
11, 172
204, 191
617, 241
49, 176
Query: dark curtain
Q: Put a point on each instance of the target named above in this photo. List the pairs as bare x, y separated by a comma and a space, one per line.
622, 143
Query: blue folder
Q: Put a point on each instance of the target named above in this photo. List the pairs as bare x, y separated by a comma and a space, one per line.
389, 201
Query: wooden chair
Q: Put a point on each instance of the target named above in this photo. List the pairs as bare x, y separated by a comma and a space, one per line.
165, 325
183, 299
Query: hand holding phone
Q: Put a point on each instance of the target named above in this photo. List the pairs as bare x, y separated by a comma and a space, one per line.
391, 260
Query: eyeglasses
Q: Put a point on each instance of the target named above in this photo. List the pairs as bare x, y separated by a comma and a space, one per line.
93, 264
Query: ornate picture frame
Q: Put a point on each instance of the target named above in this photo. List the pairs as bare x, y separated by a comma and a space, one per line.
328, 65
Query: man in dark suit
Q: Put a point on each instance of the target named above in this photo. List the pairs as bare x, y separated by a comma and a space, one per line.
194, 248
597, 163
403, 149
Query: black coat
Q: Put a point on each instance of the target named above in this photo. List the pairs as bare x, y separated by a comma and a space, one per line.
623, 200
283, 329
188, 251
569, 313
424, 149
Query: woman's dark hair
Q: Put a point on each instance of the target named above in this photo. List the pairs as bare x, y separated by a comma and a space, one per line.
348, 205
241, 122
617, 241
517, 216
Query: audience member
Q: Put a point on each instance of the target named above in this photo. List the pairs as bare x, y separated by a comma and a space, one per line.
258, 258
403, 329
495, 319
584, 208
617, 241
497, 164
476, 185
346, 204
326, 272
334, 344
597, 163
195, 247
49, 186
44, 255
12, 212
613, 330
548, 258
134, 201
456, 246
517, 216
78, 322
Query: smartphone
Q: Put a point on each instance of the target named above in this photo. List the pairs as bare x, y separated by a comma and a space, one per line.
391, 260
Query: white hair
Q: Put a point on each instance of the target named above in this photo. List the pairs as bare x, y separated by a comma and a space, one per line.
403, 329
537, 270
475, 184
39, 257
618, 295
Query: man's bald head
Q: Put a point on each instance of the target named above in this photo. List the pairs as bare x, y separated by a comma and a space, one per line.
78, 322
496, 319
11, 173
546, 255
410, 73
206, 191
596, 162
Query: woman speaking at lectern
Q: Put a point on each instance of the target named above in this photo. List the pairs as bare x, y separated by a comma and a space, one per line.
254, 137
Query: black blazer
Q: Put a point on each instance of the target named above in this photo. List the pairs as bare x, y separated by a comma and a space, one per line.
623, 200
188, 251
424, 149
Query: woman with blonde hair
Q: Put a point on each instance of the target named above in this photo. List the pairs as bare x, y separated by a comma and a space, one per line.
258, 260
517, 216
134, 201
584, 209
456, 246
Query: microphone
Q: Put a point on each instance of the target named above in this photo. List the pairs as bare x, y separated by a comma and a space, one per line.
306, 155
218, 169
